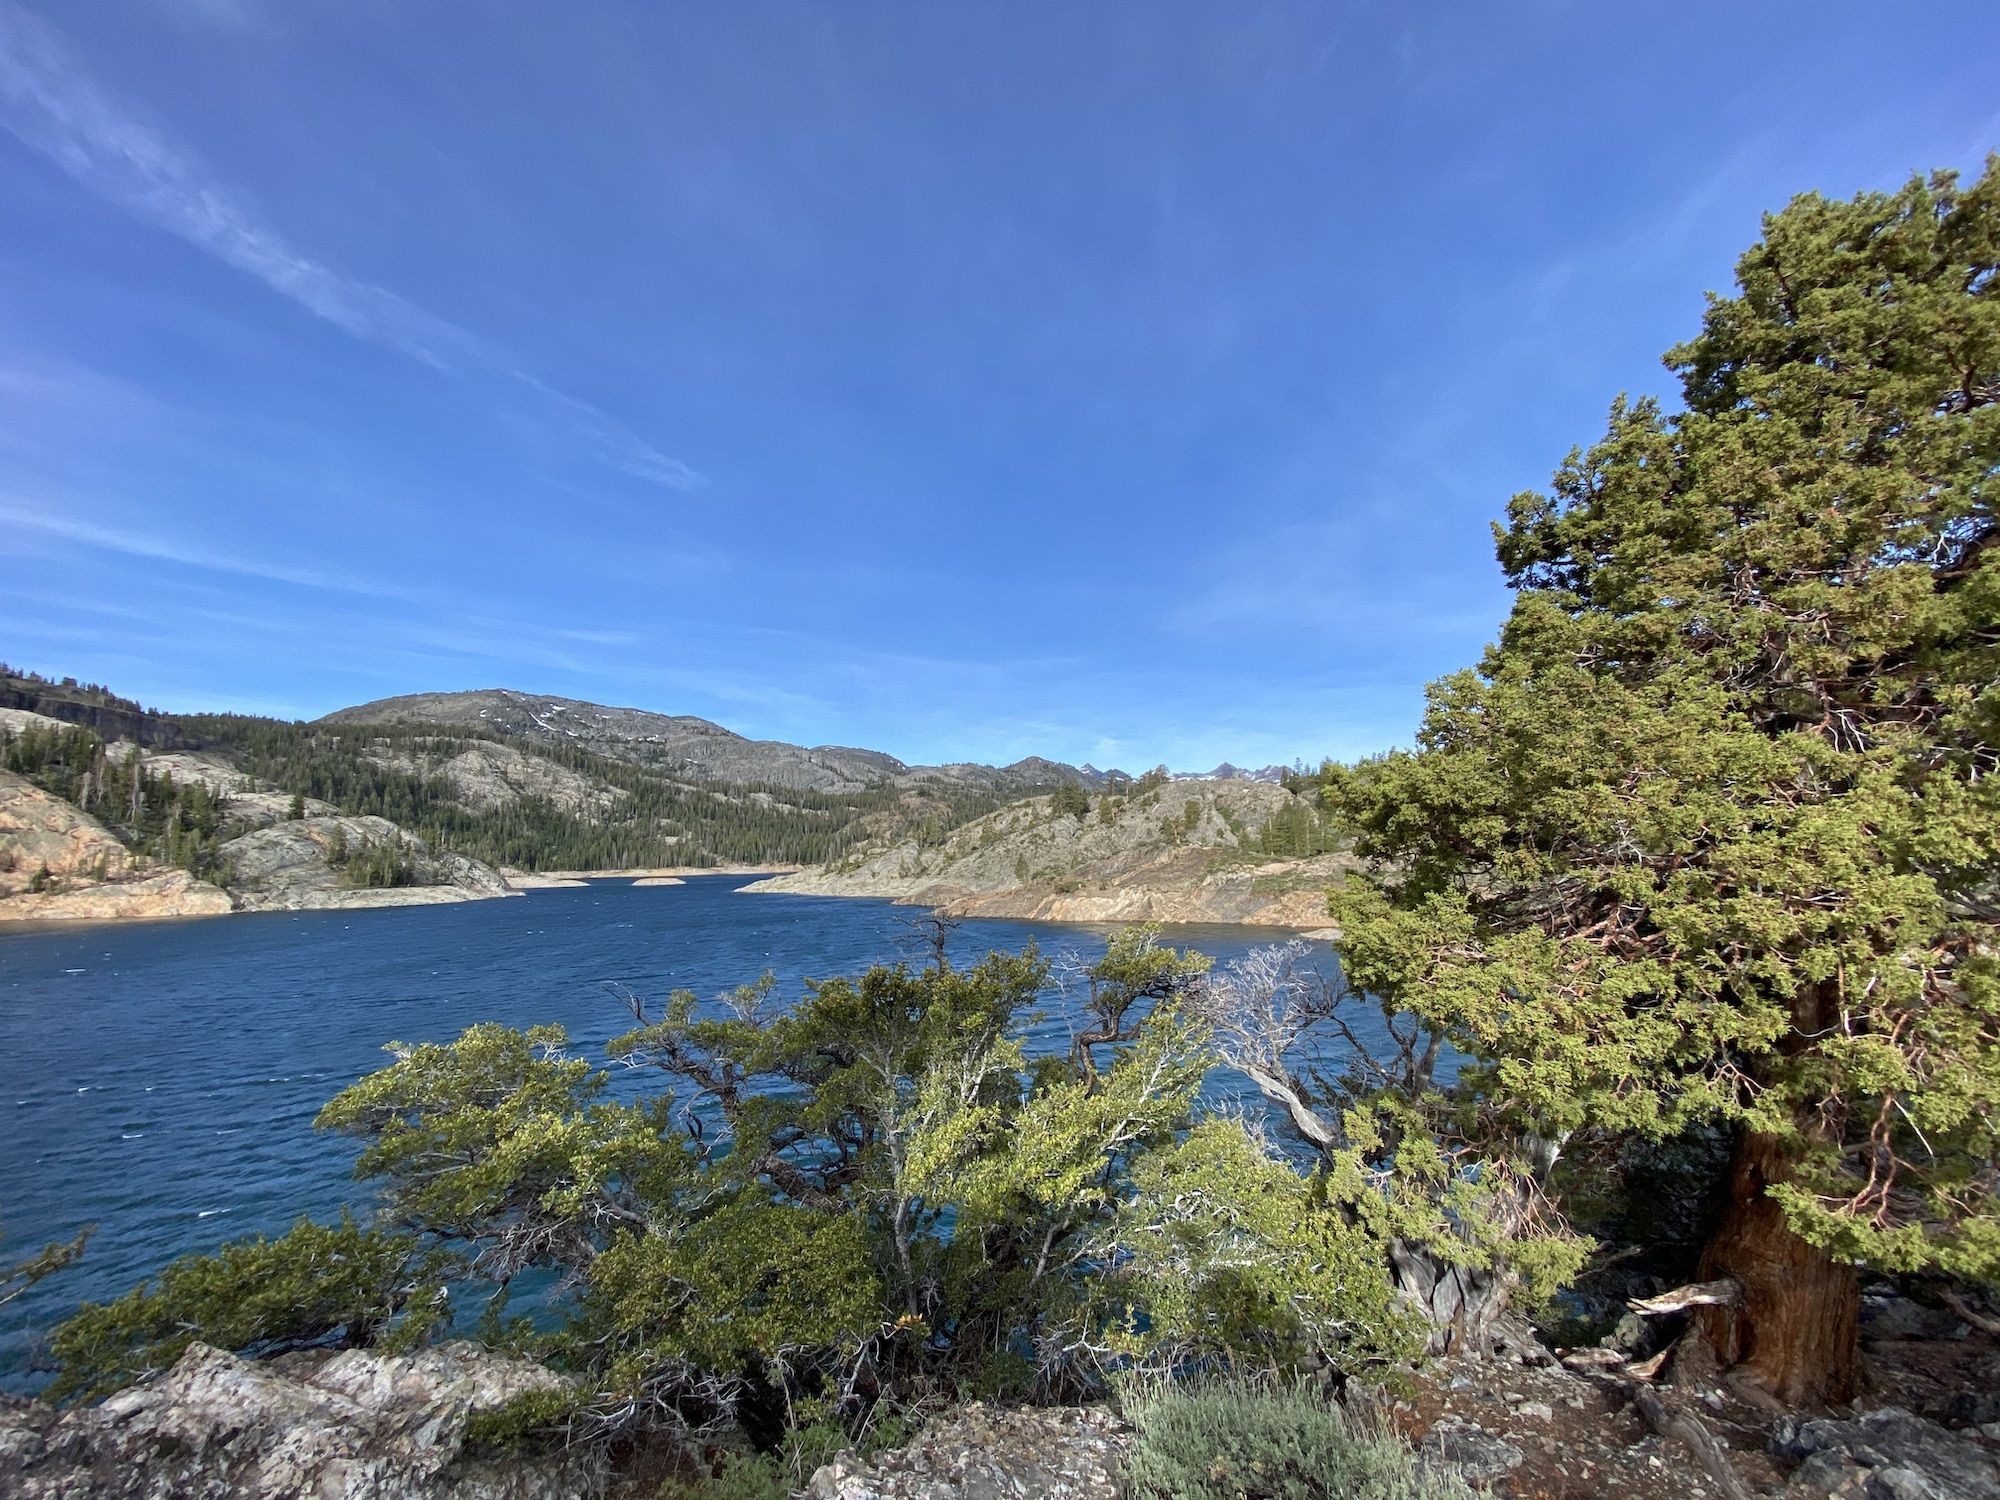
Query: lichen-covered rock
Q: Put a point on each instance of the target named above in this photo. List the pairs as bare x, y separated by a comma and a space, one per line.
1889, 1454
353, 1425
991, 1453
1478, 1457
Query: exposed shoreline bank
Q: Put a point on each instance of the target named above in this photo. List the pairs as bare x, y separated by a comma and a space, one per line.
659, 872
168, 895
1115, 907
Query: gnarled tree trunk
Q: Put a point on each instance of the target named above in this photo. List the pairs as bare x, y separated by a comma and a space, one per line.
1795, 1332
1459, 1305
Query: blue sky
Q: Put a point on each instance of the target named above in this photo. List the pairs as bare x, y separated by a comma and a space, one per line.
1124, 383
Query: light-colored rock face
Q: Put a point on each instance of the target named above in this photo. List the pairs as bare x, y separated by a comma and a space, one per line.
687, 747
291, 858
696, 748
244, 808
37, 830
273, 861
1146, 863
163, 893
14, 720
286, 867
355, 1425
484, 775
1060, 1453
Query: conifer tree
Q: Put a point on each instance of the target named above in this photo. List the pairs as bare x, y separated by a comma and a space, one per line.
1713, 832
1071, 799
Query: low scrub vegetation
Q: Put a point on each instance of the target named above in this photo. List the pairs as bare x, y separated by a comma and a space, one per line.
1228, 1440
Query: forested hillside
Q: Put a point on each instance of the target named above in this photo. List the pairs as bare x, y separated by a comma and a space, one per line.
692, 749
632, 816
535, 803
1158, 849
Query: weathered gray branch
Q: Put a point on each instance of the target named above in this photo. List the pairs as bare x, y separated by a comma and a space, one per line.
1725, 1292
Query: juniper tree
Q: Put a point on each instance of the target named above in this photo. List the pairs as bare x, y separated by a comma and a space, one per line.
1713, 832
1070, 798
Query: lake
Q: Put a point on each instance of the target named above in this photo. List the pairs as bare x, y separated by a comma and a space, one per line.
160, 1079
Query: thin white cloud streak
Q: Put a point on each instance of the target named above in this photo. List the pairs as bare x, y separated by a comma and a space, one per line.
51, 106
158, 549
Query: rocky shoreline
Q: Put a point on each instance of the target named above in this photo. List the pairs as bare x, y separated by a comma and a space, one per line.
59, 863
1223, 900
1184, 853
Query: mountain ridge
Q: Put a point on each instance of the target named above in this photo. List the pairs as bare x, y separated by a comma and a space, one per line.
711, 751
509, 779
687, 745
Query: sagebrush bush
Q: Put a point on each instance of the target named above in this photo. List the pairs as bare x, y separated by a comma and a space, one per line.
1226, 1440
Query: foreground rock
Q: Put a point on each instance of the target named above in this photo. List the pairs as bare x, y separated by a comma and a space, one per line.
353, 1425
1885, 1455
985, 1452
1472, 1453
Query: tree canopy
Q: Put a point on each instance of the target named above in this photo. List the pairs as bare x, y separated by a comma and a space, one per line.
1713, 832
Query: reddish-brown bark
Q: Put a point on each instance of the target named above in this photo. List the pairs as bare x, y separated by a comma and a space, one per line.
1796, 1332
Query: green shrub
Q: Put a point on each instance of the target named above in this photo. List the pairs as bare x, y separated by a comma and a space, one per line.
317, 1283
1236, 1441
525, 1423
1222, 1253
734, 1474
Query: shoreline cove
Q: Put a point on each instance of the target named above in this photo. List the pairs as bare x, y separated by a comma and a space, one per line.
161, 1078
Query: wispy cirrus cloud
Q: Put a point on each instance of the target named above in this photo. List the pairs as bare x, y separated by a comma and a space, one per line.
154, 548
53, 106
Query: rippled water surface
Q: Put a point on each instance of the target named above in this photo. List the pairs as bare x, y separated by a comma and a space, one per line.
160, 1079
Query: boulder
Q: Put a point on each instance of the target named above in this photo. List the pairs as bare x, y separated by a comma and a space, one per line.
1888, 1454
353, 1425
986, 1453
1471, 1453
1886, 1315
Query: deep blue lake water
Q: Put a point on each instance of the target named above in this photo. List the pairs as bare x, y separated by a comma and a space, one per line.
160, 1079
